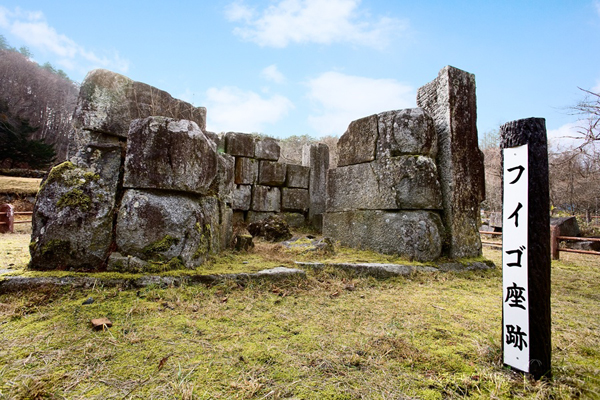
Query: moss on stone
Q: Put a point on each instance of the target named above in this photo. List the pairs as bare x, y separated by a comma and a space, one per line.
91, 177
160, 246
75, 198
205, 240
55, 247
174, 263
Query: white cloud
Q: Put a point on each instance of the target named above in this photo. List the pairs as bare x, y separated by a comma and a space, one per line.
316, 21
272, 73
238, 12
343, 98
233, 109
566, 136
597, 6
32, 28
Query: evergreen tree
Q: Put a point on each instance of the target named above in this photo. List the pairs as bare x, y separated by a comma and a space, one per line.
17, 149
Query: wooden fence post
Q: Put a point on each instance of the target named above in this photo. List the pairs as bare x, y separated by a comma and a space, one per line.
7, 216
554, 242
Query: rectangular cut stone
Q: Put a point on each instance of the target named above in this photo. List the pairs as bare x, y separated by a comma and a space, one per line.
417, 235
409, 131
168, 154
316, 157
266, 198
223, 184
395, 183
450, 99
297, 176
267, 149
255, 216
108, 102
239, 144
294, 220
357, 145
294, 199
242, 197
246, 171
225, 225
271, 173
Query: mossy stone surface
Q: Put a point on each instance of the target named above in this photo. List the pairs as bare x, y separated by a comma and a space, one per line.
75, 205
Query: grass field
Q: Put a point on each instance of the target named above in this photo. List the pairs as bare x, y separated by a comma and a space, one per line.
20, 186
331, 336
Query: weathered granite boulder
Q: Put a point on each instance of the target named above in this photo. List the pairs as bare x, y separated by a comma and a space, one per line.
416, 235
240, 144
242, 197
297, 176
246, 171
73, 214
394, 183
168, 154
567, 226
267, 149
168, 231
271, 173
357, 145
409, 131
108, 102
266, 198
450, 99
294, 199
273, 228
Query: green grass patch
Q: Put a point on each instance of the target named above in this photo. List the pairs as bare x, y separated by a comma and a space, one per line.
331, 336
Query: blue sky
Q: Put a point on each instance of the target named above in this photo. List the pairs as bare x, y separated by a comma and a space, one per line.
293, 67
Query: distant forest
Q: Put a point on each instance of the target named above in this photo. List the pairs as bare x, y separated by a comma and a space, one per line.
36, 106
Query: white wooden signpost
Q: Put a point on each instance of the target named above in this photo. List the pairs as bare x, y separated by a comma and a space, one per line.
514, 258
526, 318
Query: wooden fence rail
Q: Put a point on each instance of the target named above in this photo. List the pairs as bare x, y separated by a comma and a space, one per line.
555, 240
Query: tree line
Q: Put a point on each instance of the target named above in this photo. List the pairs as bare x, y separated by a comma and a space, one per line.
574, 171
36, 109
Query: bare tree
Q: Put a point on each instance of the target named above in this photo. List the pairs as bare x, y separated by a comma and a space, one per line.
39, 94
589, 109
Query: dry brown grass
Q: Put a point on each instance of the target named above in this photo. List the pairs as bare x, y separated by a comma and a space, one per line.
19, 186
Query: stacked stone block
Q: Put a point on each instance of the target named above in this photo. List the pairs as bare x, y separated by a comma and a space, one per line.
145, 189
263, 185
385, 194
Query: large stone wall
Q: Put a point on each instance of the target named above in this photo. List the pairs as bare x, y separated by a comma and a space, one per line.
386, 196
264, 186
141, 192
147, 188
410, 182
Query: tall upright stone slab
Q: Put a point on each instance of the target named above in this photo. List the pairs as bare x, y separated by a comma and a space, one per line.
450, 99
526, 265
316, 156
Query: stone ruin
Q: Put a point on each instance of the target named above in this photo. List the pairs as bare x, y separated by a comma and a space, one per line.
148, 189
